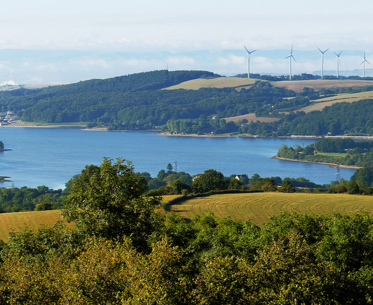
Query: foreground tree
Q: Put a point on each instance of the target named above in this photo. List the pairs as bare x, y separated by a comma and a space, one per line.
109, 202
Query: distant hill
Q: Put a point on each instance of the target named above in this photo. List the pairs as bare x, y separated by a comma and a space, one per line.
198, 102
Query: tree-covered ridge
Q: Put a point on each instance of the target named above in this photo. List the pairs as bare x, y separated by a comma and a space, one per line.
17, 100
147, 109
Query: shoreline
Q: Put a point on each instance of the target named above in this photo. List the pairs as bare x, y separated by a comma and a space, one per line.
194, 135
331, 165
19, 124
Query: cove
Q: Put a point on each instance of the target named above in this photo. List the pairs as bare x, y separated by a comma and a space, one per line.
51, 156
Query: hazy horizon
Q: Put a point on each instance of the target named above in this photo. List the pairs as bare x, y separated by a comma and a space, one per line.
67, 41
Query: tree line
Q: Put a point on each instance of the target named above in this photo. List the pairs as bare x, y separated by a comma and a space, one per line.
338, 151
124, 251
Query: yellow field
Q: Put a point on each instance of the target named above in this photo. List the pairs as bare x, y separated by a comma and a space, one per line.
168, 198
318, 84
320, 104
259, 206
219, 82
15, 221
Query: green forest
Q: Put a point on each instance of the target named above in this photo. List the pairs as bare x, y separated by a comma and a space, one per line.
125, 250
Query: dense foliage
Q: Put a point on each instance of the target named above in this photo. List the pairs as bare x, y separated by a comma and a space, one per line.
337, 151
30, 199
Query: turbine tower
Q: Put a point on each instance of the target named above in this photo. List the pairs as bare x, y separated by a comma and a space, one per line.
364, 61
290, 57
248, 61
338, 62
322, 62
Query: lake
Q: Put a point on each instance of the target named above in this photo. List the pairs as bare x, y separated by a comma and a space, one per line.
51, 156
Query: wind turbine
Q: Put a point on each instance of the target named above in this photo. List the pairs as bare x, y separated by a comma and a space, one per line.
248, 61
322, 62
338, 62
14, 80
290, 57
364, 61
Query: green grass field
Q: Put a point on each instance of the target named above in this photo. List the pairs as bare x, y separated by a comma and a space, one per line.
15, 221
258, 207
219, 82
340, 155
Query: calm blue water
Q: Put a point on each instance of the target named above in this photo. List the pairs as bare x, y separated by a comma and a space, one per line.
48, 156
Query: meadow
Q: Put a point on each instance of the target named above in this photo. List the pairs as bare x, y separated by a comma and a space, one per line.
14, 221
219, 82
258, 207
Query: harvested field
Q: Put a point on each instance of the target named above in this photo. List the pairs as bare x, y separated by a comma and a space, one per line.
15, 221
251, 117
219, 82
259, 206
167, 198
298, 86
320, 104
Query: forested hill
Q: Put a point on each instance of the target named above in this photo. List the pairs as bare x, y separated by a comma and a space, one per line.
136, 101
24, 98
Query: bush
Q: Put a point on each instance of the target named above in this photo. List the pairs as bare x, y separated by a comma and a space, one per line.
44, 206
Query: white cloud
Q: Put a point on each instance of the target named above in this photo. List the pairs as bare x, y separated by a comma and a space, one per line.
232, 60
180, 60
46, 67
101, 63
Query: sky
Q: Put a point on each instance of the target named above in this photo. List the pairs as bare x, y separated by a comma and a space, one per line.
55, 41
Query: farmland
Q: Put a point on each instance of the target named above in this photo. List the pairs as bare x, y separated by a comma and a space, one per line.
259, 206
251, 117
14, 221
339, 98
298, 86
219, 82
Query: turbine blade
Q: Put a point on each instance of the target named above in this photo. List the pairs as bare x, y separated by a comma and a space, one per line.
246, 49
319, 49
325, 51
252, 52
367, 61
362, 62
287, 57
340, 53
293, 58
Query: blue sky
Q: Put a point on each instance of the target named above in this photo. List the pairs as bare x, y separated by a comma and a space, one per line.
55, 41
